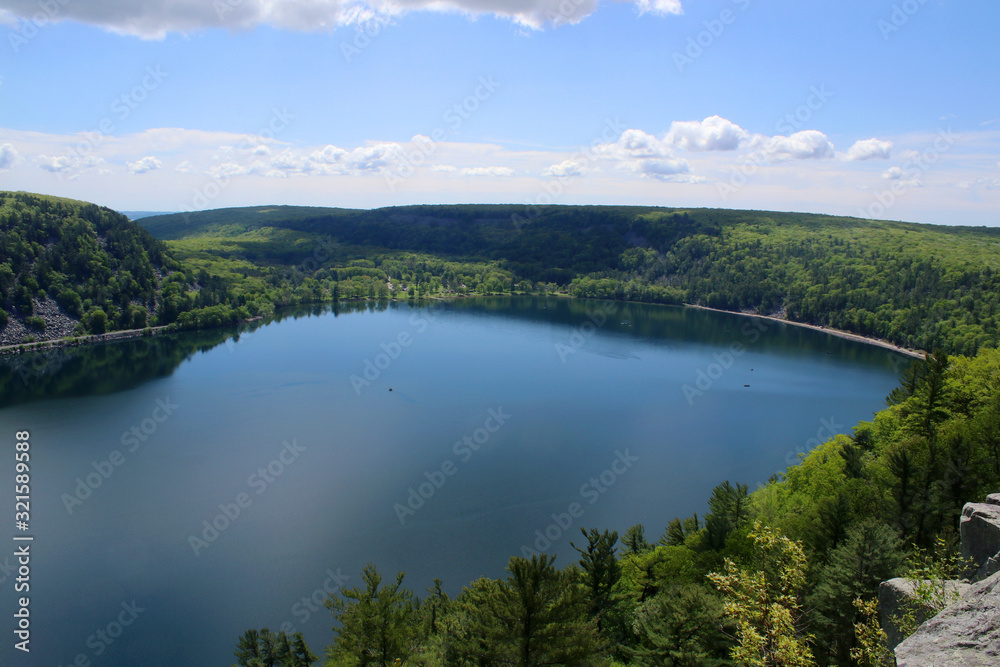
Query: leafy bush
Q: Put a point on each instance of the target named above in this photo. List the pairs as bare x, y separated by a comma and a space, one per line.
35, 322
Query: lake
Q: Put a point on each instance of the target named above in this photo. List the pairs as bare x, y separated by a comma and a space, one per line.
190, 486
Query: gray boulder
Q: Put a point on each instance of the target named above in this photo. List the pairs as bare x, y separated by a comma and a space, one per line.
979, 529
964, 634
895, 597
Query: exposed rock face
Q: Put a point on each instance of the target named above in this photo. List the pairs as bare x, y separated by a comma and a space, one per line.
894, 597
965, 634
980, 532
57, 324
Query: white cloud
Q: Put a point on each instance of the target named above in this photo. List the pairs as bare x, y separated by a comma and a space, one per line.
566, 168
8, 156
185, 167
487, 171
712, 134
892, 174
148, 163
869, 149
663, 169
641, 153
70, 164
634, 144
982, 183
444, 168
804, 145
659, 6
153, 19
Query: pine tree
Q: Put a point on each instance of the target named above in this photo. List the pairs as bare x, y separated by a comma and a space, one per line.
537, 616
378, 624
600, 570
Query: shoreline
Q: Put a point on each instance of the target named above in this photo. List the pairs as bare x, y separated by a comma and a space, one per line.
839, 333
152, 331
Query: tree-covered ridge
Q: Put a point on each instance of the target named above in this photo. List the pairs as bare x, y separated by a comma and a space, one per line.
85, 257
920, 286
782, 576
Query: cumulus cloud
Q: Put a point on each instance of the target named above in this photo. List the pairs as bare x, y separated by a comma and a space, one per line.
804, 145
148, 163
566, 168
70, 164
712, 134
892, 174
487, 171
869, 149
642, 153
663, 169
659, 6
334, 160
634, 144
8, 156
155, 18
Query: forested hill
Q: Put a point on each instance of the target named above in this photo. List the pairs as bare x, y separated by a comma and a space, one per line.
73, 267
85, 258
922, 286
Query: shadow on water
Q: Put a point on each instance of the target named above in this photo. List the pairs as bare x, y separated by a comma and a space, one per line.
106, 368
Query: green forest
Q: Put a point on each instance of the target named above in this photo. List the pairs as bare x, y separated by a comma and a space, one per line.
920, 286
783, 575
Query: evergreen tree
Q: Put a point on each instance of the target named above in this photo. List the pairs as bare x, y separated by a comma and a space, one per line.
680, 627
378, 624
537, 616
600, 570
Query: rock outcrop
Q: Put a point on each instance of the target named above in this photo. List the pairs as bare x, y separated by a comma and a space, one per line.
964, 634
897, 595
980, 532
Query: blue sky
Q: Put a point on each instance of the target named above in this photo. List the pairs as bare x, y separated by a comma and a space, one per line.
882, 109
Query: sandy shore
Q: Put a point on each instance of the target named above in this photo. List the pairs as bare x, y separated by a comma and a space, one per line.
916, 354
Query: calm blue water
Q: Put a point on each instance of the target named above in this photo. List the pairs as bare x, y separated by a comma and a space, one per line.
503, 413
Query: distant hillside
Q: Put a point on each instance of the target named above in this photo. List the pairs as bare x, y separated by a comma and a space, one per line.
63, 261
922, 286
70, 268
135, 215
